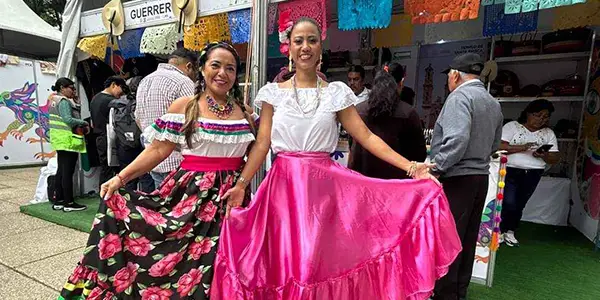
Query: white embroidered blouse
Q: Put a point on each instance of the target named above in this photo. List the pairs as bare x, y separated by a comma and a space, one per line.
213, 138
294, 132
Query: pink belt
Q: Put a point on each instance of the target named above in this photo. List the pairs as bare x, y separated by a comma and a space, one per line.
210, 164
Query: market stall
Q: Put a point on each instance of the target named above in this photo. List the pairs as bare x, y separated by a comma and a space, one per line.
424, 39
130, 37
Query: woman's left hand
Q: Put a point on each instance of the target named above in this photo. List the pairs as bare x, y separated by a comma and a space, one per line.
541, 155
422, 172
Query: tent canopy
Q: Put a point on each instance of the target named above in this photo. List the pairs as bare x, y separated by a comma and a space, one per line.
23, 33
94, 4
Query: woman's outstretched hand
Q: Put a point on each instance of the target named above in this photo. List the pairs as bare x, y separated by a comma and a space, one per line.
234, 198
108, 188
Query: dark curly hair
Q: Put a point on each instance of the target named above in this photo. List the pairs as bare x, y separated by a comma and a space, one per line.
384, 96
192, 110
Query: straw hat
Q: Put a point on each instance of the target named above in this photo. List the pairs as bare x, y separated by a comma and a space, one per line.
185, 11
113, 17
490, 71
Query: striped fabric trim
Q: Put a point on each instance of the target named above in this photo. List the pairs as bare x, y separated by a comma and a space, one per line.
206, 127
52, 117
58, 125
71, 287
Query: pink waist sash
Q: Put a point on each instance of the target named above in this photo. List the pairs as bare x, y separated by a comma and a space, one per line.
211, 164
304, 155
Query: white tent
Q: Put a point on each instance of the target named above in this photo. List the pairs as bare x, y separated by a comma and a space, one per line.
23, 33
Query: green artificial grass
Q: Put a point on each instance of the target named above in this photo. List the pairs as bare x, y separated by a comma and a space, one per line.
79, 220
551, 263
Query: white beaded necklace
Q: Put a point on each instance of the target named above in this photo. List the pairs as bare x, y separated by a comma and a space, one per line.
310, 107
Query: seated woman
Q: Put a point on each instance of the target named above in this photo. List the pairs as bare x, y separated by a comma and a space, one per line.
392, 119
525, 141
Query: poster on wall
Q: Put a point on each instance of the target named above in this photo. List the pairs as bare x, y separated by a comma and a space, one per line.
21, 118
432, 86
588, 153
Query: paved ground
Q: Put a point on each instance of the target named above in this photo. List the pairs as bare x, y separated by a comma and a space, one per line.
36, 256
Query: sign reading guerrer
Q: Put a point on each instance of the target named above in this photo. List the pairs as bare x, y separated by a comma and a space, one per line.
148, 12
137, 14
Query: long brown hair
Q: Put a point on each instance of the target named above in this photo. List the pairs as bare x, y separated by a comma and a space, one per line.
384, 96
192, 109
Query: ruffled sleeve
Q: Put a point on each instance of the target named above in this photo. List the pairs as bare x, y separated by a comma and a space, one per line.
340, 97
169, 127
267, 94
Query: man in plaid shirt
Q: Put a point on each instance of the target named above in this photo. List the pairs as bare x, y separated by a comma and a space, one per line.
158, 90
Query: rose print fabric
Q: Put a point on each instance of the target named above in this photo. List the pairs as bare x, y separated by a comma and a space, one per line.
162, 246
154, 246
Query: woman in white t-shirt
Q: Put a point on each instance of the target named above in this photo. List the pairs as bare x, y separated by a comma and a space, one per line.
531, 146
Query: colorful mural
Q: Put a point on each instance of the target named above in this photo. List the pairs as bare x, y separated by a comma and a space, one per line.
27, 114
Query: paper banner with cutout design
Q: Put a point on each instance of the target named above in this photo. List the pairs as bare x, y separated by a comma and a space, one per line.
94, 45
206, 30
441, 11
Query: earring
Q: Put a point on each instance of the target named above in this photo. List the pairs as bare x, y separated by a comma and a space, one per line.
290, 64
202, 85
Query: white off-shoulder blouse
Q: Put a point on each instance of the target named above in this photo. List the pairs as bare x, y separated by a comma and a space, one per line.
213, 138
294, 132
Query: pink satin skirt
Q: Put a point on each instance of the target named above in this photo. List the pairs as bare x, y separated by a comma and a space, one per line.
317, 230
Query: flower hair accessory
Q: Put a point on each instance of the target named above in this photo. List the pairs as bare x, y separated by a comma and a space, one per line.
386, 68
285, 27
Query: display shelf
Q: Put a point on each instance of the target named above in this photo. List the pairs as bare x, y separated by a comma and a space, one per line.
345, 69
529, 99
544, 57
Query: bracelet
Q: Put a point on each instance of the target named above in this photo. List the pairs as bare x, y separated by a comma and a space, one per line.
412, 170
243, 181
121, 179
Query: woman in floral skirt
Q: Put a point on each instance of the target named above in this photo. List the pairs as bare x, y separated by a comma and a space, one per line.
162, 245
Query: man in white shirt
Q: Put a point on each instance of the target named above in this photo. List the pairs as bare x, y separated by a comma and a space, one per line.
356, 81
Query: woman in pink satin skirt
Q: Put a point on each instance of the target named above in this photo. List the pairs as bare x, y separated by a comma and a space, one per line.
316, 230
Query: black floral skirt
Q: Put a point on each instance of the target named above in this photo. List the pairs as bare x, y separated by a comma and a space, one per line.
154, 246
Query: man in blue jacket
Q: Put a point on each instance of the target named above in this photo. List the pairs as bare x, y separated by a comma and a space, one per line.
467, 132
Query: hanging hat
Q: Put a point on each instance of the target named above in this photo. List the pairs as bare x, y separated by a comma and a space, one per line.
490, 71
185, 11
113, 17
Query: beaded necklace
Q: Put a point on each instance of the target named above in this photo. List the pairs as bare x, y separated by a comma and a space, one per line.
221, 111
310, 107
